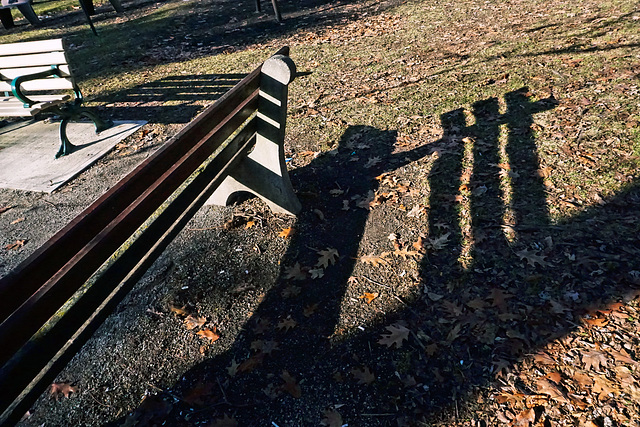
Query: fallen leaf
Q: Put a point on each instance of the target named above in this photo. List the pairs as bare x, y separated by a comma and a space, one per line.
64, 389
372, 162
332, 418
595, 359
622, 356
192, 322
369, 296
316, 273
327, 256
310, 310
363, 375
296, 272
286, 233
16, 245
532, 258
249, 224
596, 321
406, 253
291, 291
209, 334
544, 358
604, 388
547, 387
439, 242
287, 324
179, 311
397, 334
556, 377
17, 221
524, 418
375, 260
290, 385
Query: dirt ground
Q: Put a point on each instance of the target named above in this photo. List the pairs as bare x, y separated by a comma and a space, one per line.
378, 305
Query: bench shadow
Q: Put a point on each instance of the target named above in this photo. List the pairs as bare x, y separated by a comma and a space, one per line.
499, 280
172, 99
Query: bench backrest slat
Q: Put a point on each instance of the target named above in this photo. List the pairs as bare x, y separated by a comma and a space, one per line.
35, 60
25, 48
19, 59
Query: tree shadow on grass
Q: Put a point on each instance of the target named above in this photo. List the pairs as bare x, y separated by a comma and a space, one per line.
498, 281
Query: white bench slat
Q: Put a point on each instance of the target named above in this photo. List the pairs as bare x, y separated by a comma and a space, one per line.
11, 107
12, 73
37, 59
40, 85
31, 47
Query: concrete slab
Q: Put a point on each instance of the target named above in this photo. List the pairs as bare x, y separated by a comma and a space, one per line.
27, 152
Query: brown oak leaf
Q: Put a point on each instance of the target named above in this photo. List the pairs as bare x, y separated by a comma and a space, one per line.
286, 233
192, 322
290, 385
369, 296
332, 418
595, 359
397, 334
363, 375
62, 389
375, 260
209, 334
327, 256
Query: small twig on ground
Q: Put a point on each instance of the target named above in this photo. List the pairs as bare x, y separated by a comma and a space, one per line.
375, 282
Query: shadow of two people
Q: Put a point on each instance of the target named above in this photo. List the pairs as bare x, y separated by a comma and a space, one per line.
478, 308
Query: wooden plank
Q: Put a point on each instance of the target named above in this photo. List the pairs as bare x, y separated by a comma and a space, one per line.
12, 73
35, 60
36, 270
18, 328
42, 85
16, 108
25, 48
32, 273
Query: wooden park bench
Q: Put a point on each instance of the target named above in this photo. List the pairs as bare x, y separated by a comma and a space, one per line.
36, 78
54, 300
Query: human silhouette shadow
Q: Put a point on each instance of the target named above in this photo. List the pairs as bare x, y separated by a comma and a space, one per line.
504, 284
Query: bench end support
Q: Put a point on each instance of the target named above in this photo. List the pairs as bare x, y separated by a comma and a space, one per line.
263, 172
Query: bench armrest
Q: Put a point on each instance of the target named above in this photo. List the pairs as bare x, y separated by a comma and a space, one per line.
17, 83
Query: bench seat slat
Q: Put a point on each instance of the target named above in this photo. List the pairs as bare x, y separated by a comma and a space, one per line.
10, 107
31, 47
40, 85
12, 73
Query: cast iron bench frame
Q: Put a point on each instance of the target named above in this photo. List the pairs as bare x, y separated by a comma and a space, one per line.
36, 78
57, 297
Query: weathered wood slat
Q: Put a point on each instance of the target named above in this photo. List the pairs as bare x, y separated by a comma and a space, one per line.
36, 270
42, 85
35, 60
12, 73
31, 47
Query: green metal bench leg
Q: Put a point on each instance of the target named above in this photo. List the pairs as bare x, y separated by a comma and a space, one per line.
97, 121
66, 147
